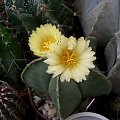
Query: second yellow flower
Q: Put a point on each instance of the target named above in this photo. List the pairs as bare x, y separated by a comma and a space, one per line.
43, 39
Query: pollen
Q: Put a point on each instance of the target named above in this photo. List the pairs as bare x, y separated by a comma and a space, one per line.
69, 58
42, 40
46, 45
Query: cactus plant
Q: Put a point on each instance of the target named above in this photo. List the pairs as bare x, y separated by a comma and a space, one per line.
11, 58
31, 14
11, 106
99, 18
35, 76
36, 12
113, 61
38, 68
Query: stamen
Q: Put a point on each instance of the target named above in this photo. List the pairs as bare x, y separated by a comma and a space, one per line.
46, 45
69, 58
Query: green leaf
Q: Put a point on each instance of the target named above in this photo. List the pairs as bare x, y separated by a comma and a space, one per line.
11, 57
95, 85
66, 96
35, 76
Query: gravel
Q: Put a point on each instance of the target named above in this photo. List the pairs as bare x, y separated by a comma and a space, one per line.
47, 109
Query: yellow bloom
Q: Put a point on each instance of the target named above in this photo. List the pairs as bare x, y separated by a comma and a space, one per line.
71, 59
42, 40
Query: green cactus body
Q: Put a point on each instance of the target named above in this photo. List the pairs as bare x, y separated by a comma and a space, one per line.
11, 56
11, 106
67, 96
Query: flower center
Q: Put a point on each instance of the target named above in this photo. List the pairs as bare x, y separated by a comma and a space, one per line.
69, 58
46, 44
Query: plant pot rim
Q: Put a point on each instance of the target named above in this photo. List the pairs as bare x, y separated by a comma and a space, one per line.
86, 114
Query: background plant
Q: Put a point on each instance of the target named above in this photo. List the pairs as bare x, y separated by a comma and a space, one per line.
100, 18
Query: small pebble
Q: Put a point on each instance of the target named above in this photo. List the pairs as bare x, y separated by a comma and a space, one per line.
40, 108
50, 116
44, 112
52, 112
48, 101
46, 107
51, 106
55, 118
37, 100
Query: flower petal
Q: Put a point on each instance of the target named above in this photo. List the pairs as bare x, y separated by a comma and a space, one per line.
66, 75
71, 59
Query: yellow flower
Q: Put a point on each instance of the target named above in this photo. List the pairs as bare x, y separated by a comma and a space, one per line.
71, 59
42, 40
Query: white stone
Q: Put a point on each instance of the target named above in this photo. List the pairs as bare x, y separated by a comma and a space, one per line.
48, 101
51, 106
46, 107
36, 100
44, 112
40, 108
55, 118
52, 112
